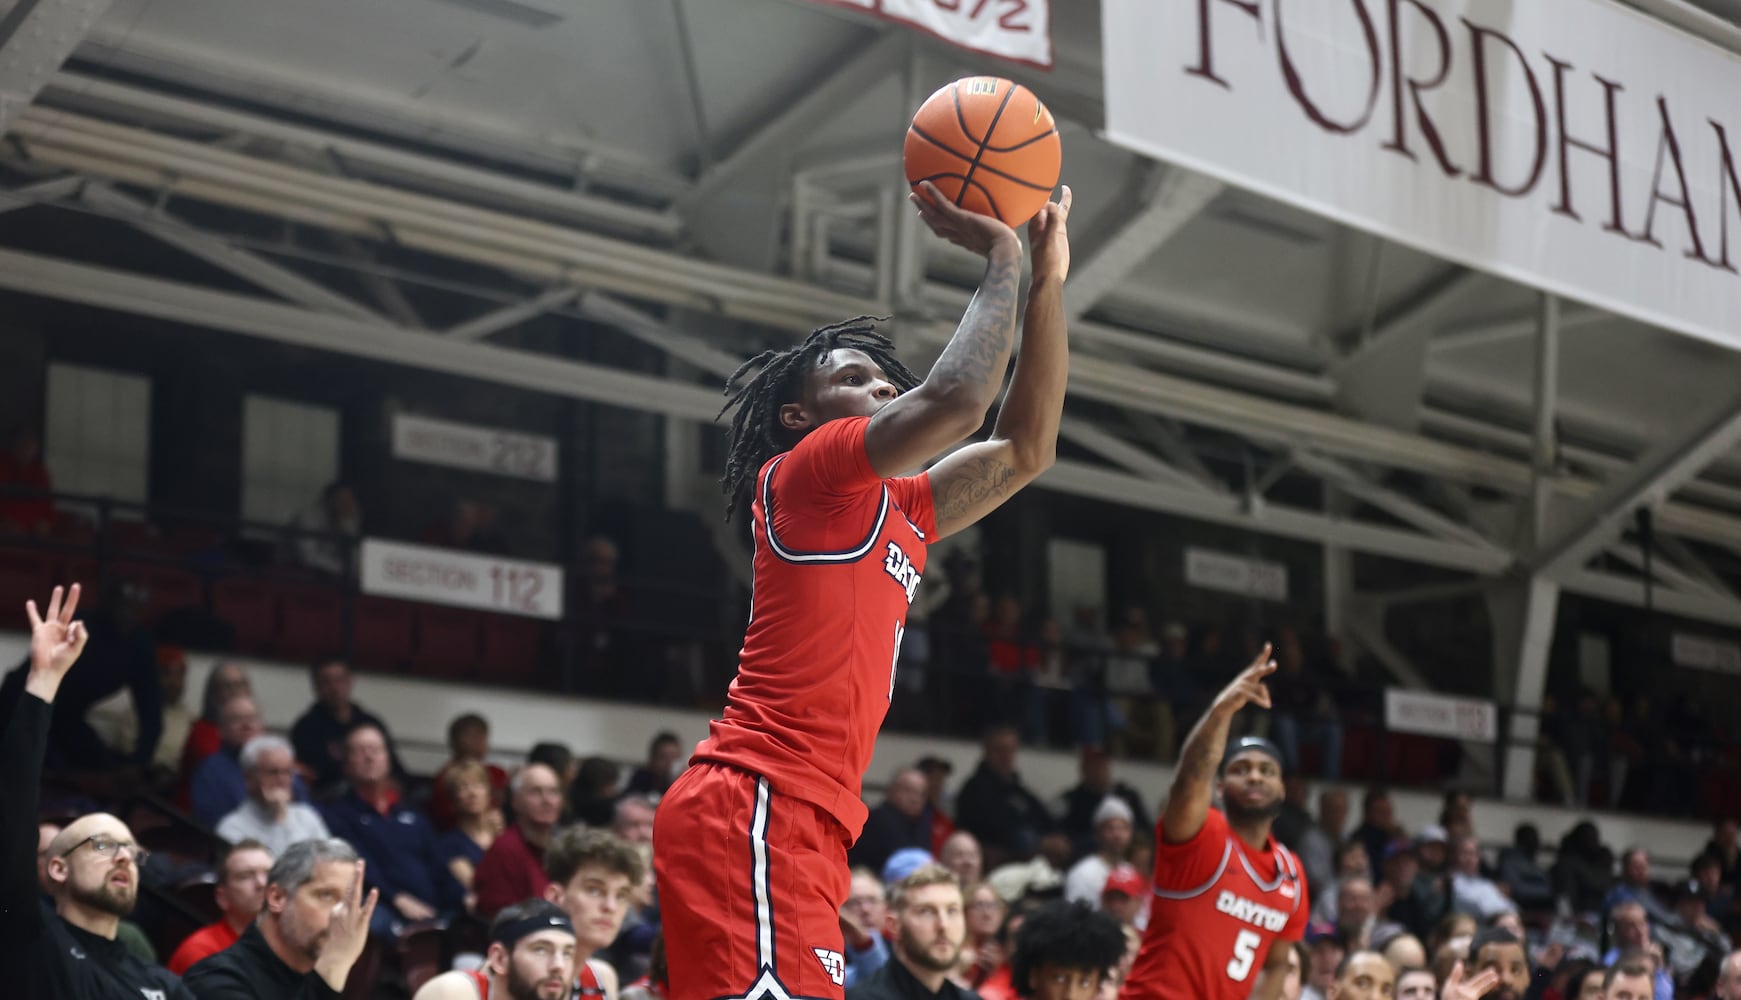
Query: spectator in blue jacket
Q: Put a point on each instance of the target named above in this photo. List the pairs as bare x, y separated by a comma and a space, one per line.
397, 842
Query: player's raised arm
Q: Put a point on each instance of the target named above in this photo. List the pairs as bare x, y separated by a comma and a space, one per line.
952, 401
977, 479
1194, 781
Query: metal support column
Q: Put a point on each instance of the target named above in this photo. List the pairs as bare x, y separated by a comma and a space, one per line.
36, 36
1523, 613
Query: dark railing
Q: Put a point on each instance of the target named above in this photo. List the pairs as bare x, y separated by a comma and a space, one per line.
214, 583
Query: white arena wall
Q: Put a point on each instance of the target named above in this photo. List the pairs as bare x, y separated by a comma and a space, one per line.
418, 711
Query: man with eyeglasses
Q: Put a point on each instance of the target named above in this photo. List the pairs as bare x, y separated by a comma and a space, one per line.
92, 866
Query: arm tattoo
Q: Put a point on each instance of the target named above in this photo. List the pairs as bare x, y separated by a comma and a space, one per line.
1201, 754
1197, 761
980, 349
981, 480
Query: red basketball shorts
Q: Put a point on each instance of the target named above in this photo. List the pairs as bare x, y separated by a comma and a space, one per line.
750, 888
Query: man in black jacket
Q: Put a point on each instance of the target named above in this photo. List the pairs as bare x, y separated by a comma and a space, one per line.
1083, 801
903, 820
311, 931
319, 733
92, 865
928, 923
997, 808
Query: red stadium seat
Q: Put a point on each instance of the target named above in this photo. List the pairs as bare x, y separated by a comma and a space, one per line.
512, 647
381, 631
81, 570
1359, 753
247, 606
166, 589
199, 895
136, 538
420, 953
366, 974
311, 621
448, 642
24, 574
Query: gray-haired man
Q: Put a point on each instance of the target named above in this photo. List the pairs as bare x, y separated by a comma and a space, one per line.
269, 814
311, 931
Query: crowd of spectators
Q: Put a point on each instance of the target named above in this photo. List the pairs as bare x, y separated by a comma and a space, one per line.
296, 830
1392, 908
274, 843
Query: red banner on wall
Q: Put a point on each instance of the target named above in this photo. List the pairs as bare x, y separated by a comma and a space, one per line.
1020, 30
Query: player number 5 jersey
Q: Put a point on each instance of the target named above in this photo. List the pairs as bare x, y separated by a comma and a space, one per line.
1219, 907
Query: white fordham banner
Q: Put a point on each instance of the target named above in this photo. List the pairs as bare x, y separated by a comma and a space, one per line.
1427, 714
1577, 146
1236, 574
461, 579
1019, 30
481, 449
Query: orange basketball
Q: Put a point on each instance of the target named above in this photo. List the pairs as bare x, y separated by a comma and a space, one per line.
989, 145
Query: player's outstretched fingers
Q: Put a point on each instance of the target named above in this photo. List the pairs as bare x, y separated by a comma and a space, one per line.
1456, 988
1263, 664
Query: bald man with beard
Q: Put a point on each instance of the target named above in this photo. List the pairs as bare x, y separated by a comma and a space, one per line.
91, 867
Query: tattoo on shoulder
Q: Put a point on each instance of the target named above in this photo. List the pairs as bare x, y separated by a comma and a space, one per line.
980, 480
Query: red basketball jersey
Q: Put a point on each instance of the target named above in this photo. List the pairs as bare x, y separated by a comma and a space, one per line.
1218, 908
838, 556
586, 982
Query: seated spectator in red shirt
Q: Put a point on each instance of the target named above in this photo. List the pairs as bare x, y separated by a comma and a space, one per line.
1006, 649
468, 739
480, 823
513, 868
25, 487
240, 892
204, 738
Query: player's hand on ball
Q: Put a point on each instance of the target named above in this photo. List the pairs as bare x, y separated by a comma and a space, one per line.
1456, 988
1050, 239
981, 234
1248, 688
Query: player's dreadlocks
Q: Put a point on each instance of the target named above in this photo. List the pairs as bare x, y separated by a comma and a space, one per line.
756, 432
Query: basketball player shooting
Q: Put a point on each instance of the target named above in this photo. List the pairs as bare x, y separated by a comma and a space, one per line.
1225, 890
749, 845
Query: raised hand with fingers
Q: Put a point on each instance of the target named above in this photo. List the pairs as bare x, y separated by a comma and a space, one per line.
56, 640
981, 234
1249, 687
347, 932
1457, 988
